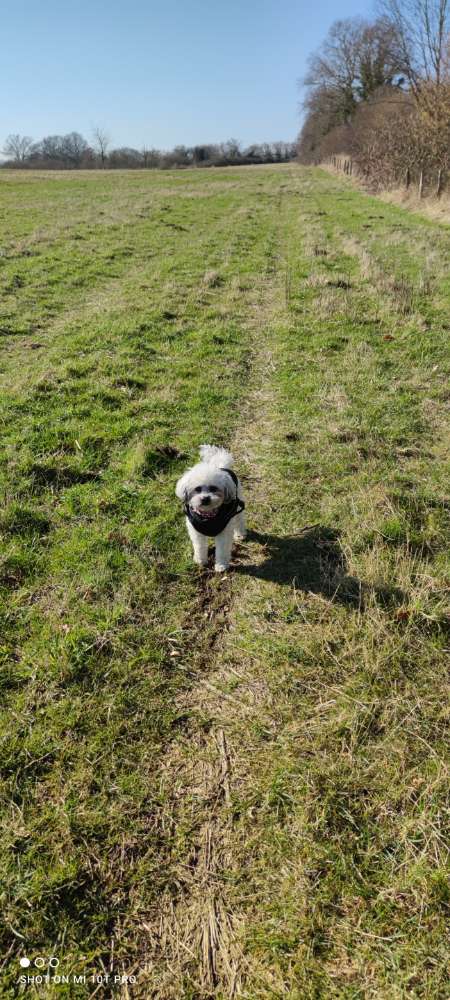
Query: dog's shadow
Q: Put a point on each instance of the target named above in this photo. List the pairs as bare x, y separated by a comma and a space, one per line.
312, 561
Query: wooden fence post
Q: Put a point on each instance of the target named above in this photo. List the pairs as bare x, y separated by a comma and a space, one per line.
407, 178
421, 184
439, 183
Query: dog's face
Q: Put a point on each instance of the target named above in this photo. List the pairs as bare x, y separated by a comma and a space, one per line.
205, 489
205, 497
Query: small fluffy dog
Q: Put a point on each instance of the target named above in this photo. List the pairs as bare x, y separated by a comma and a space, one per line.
213, 504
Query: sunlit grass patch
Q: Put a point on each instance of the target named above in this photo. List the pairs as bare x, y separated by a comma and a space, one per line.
233, 786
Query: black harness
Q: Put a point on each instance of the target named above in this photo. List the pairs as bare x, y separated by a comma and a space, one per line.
212, 526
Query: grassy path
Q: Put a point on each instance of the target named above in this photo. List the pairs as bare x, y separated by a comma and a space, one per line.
228, 787
311, 792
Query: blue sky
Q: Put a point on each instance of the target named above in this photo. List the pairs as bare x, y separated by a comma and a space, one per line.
160, 72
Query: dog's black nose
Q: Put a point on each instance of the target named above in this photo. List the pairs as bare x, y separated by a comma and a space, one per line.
206, 500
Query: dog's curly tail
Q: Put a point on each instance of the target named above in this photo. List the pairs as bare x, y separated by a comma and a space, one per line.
219, 458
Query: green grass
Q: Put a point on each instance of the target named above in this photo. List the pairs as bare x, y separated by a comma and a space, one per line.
225, 787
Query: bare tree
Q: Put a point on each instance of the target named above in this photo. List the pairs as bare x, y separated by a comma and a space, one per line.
379, 62
73, 148
355, 59
125, 157
332, 70
62, 151
50, 147
101, 143
232, 149
17, 147
422, 28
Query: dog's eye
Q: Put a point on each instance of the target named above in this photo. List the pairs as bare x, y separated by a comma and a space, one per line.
212, 489
198, 489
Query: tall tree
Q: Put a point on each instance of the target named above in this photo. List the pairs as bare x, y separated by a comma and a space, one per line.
17, 147
422, 28
73, 148
101, 143
355, 59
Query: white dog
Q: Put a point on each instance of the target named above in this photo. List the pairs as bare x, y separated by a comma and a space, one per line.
213, 504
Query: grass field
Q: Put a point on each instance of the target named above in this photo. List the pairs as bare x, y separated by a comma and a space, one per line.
223, 786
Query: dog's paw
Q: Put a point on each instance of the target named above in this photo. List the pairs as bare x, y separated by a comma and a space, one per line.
220, 568
201, 562
238, 537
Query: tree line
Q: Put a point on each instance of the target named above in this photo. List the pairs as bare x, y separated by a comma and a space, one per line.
378, 94
74, 152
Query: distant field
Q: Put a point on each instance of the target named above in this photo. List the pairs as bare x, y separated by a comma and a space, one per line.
223, 787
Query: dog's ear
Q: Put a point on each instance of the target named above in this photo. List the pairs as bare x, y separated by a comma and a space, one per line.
228, 488
182, 486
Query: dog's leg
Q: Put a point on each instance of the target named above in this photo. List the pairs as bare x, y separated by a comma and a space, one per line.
224, 542
199, 544
239, 527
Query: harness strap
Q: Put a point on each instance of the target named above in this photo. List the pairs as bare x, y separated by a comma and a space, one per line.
233, 476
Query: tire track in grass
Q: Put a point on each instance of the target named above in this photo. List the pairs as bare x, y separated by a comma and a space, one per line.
197, 937
194, 937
